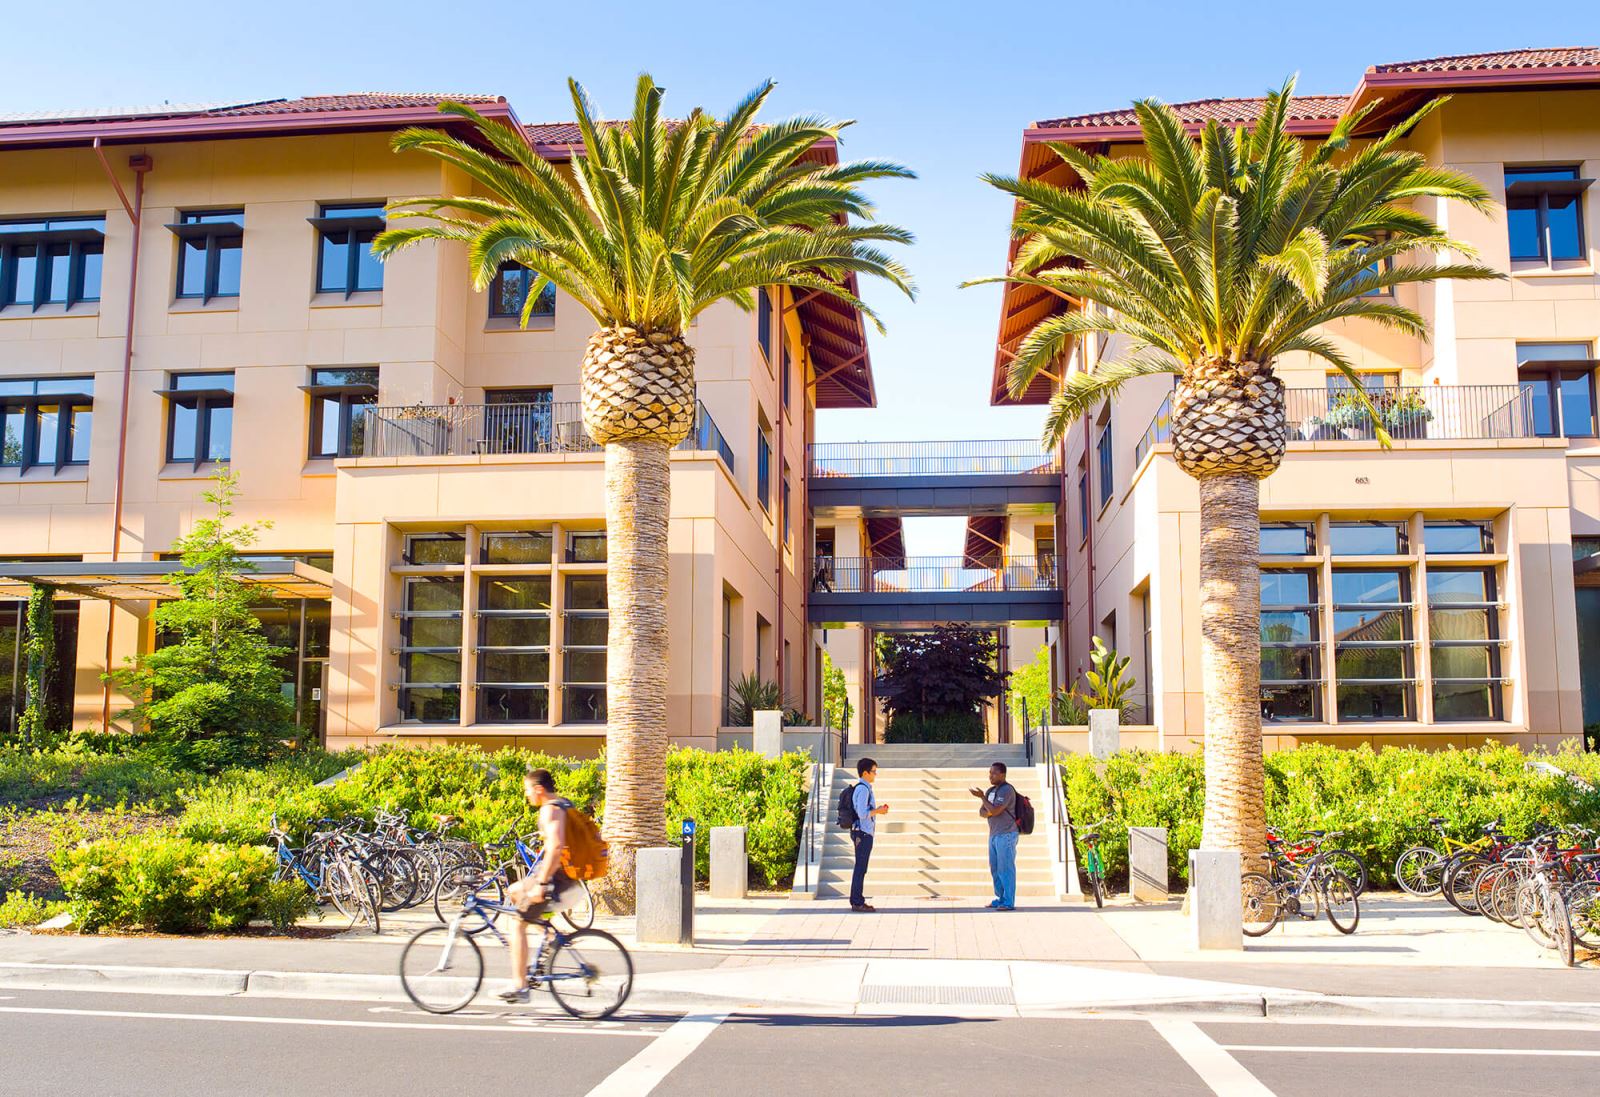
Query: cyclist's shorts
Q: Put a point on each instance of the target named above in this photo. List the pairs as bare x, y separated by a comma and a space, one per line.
561, 898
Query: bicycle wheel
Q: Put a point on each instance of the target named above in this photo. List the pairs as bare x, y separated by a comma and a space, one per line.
457, 884
1483, 890
1351, 865
441, 969
1419, 871
398, 878
1583, 910
589, 974
580, 915
1263, 904
369, 897
1561, 929
1340, 900
1504, 898
1532, 903
1459, 879
1098, 887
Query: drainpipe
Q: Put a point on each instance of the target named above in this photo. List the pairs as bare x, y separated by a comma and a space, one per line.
1093, 518
785, 508
140, 163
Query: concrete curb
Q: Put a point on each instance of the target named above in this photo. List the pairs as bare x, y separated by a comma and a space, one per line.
203, 981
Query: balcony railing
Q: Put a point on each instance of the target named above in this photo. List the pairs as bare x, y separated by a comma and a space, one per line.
1015, 456
1159, 430
917, 574
470, 430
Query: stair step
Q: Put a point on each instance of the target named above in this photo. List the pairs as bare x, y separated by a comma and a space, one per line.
875, 891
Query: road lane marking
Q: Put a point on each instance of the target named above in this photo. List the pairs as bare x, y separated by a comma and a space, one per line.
1220, 1071
1571, 1053
640, 1075
319, 1022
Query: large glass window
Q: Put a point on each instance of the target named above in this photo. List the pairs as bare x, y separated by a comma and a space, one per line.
764, 323
516, 548
51, 260
1367, 538
210, 253
1291, 653
199, 417
763, 470
1464, 643
1443, 538
586, 626
45, 421
341, 400
1544, 214
425, 549
430, 650
1083, 503
345, 263
514, 649
14, 665
1560, 380
588, 547
1287, 539
1373, 645
508, 293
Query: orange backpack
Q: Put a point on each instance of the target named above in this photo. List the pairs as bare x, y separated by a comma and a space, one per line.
586, 856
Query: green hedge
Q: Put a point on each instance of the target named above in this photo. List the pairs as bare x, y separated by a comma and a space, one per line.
1381, 800
947, 727
23, 908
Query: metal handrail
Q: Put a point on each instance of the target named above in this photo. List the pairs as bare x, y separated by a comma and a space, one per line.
815, 823
1411, 413
1011, 456
905, 574
1159, 430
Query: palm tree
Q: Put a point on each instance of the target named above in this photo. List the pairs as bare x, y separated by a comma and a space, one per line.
657, 221
1209, 259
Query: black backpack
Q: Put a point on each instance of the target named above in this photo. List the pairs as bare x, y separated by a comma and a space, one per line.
1022, 807
847, 819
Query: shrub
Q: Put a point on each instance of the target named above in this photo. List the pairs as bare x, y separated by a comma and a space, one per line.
92, 778
1381, 800
941, 727
740, 788
23, 908
172, 885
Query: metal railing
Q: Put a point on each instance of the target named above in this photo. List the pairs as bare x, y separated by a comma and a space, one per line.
816, 820
469, 430
1416, 412
1054, 791
1159, 430
1016, 456
908, 574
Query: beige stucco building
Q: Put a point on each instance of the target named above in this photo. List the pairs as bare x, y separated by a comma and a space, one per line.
1441, 593
188, 289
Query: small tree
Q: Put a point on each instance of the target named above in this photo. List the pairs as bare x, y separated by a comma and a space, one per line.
37, 726
835, 695
1030, 687
939, 679
214, 689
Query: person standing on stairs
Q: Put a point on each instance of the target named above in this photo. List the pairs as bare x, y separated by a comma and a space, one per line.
867, 809
999, 807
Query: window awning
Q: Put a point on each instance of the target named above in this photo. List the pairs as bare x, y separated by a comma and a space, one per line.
143, 580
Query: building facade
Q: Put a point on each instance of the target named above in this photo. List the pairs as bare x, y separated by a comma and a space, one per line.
191, 289
1443, 592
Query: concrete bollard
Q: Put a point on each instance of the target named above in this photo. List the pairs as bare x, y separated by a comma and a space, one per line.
1105, 732
730, 863
1147, 864
767, 735
661, 915
1216, 913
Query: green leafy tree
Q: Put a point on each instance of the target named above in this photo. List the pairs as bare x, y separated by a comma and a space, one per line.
942, 678
655, 222
1209, 259
835, 695
1030, 687
214, 688
38, 726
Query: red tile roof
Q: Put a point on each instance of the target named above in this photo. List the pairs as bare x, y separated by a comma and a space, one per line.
1564, 57
1200, 111
553, 133
309, 104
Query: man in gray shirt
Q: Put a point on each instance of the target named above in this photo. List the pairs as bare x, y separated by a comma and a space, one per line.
867, 809
999, 807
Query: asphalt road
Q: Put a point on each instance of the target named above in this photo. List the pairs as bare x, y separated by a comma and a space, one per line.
69, 1043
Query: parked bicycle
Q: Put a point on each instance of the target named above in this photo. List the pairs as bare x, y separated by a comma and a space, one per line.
1306, 891
331, 864
1420, 870
1300, 851
1091, 861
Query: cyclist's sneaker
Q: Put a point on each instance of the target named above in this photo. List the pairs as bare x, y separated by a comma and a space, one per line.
515, 995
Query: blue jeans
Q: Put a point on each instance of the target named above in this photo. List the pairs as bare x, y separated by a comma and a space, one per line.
858, 878
1003, 867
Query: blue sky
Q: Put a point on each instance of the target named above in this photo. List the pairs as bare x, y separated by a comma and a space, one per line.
944, 88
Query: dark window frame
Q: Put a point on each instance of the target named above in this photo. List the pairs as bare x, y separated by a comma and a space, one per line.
1491, 645
79, 239
205, 403
1535, 196
1407, 646
1550, 373
1313, 644
497, 290
348, 397
406, 616
481, 648
1083, 502
764, 324
763, 470
29, 406
225, 230
342, 218
1105, 462
568, 684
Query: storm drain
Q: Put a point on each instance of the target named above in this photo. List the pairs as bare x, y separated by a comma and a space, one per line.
937, 996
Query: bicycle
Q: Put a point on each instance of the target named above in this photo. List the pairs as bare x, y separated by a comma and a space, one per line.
1346, 861
1278, 895
471, 879
1094, 866
329, 865
1420, 870
588, 972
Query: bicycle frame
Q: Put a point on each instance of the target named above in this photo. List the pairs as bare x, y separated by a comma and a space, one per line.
482, 908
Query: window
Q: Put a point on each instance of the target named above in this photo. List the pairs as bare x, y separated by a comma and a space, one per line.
1457, 537
1287, 539
586, 548
1367, 538
1559, 378
341, 399
1083, 503
787, 365
210, 253
1543, 214
584, 650
1464, 643
783, 505
430, 650
728, 676
199, 417
514, 649
764, 323
519, 420
508, 293
53, 260
763, 469
45, 421
516, 548
1371, 380
1291, 649
424, 549
1373, 648
345, 263
1102, 451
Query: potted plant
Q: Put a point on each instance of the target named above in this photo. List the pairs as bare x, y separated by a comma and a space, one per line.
1406, 416
1348, 415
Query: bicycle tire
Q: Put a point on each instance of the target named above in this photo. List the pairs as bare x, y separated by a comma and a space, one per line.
1351, 864
451, 996
397, 876
1340, 900
607, 972
457, 884
1531, 911
1561, 930
1583, 911
1418, 871
1459, 879
1504, 898
370, 898
1262, 903
580, 915
1483, 890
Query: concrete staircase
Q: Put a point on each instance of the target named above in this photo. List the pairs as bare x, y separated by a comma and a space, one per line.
932, 843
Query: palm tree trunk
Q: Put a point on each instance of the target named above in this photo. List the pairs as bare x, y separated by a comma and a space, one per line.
637, 501
1230, 662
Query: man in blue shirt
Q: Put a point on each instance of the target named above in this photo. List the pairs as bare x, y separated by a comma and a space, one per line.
867, 809
1000, 808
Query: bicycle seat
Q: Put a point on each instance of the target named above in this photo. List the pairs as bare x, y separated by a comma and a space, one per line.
1317, 833
1436, 822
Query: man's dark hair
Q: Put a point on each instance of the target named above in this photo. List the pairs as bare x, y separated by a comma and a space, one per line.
1001, 766
865, 766
542, 778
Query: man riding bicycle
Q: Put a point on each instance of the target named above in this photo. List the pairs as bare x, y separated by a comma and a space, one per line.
545, 890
